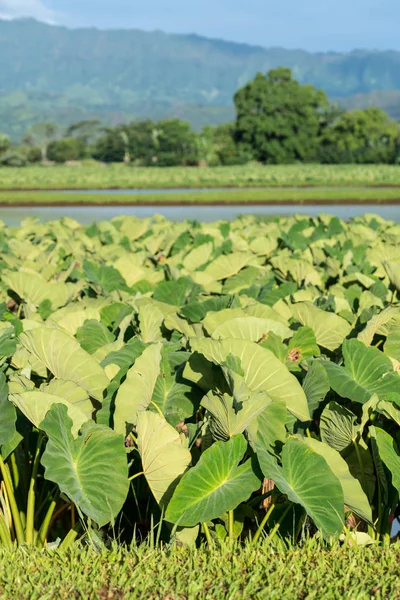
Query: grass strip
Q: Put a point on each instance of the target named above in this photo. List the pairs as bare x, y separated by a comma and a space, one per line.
180, 573
92, 175
250, 196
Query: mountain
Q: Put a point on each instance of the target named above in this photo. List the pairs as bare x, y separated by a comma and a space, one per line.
55, 73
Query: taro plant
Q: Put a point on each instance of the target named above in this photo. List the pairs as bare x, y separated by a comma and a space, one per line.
189, 382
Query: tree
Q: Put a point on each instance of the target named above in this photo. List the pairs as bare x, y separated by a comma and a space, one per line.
5, 143
66, 149
175, 143
217, 146
361, 136
279, 120
40, 136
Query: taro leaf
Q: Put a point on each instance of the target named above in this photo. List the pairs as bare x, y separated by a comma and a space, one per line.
164, 455
8, 415
33, 288
195, 311
316, 385
338, 426
91, 470
354, 496
136, 392
104, 276
226, 266
64, 357
392, 269
126, 356
302, 345
262, 371
150, 319
267, 434
35, 405
389, 453
392, 344
330, 329
173, 292
8, 342
226, 421
93, 335
251, 328
379, 466
306, 479
366, 371
215, 485
375, 323
175, 396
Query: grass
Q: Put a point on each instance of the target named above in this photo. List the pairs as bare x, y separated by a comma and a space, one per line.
96, 176
177, 574
249, 196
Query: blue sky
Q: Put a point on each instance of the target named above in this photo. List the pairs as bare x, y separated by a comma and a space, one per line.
316, 25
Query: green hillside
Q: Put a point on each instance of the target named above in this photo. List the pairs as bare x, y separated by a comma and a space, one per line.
55, 73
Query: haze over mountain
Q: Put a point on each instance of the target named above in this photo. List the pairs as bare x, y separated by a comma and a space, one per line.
54, 73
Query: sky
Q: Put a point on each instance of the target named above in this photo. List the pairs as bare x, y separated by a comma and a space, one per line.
314, 25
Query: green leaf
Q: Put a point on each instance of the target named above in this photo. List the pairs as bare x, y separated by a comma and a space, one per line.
250, 328
136, 392
316, 385
338, 426
354, 496
389, 453
108, 278
64, 357
93, 335
330, 330
35, 405
215, 485
262, 371
91, 470
8, 415
165, 457
366, 371
306, 479
175, 396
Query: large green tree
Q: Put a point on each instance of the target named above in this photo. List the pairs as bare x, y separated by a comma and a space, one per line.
361, 136
278, 119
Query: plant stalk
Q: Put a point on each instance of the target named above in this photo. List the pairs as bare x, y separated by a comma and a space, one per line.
19, 532
45, 526
263, 524
207, 534
231, 521
30, 510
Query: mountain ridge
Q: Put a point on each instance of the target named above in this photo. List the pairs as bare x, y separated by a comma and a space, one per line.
119, 74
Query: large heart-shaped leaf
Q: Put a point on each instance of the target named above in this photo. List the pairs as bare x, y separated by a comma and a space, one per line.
330, 329
306, 479
165, 457
35, 405
389, 454
64, 357
215, 485
366, 371
354, 496
91, 470
136, 392
262, 371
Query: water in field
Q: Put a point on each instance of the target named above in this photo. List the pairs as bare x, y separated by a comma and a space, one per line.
88, 214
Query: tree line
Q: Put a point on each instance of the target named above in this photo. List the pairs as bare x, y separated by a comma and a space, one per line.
278, 121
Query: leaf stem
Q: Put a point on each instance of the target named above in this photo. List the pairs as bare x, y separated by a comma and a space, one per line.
136, 475
19, 532
45, 526
231, 521
207, 534
263, 524
30, 510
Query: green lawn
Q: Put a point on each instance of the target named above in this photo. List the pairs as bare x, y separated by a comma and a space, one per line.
248, 196
259, 573
94, 176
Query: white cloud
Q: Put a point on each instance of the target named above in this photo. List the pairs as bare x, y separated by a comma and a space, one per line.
12, 9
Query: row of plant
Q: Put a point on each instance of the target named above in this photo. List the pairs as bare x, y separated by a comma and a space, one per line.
94, 176
204, 381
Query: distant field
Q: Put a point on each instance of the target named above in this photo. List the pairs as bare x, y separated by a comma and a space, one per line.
203, 574
95, 176
244, 196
